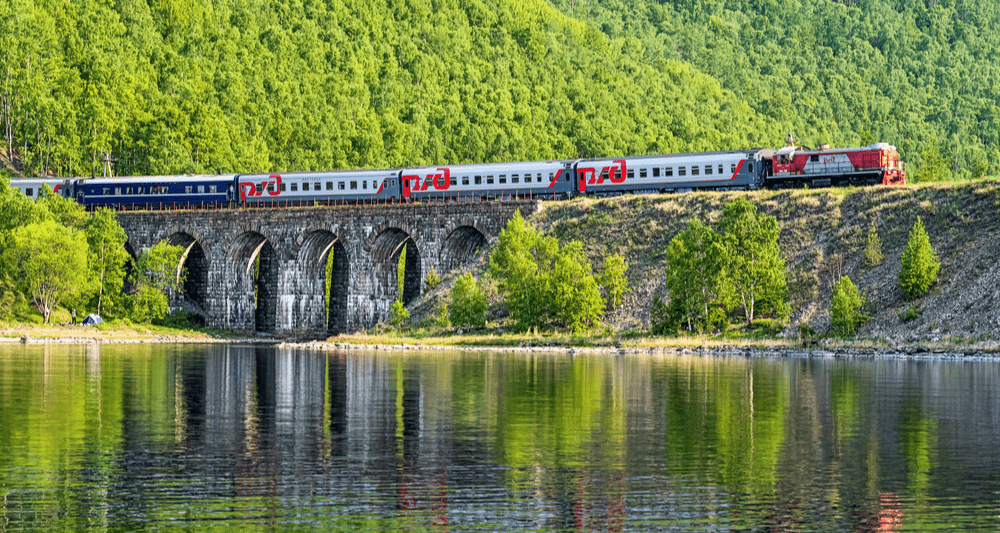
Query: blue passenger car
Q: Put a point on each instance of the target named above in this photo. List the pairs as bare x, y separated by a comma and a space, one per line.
157, 190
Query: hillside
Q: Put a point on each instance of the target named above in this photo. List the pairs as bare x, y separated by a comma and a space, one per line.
201, 86
919, 75
823, 234
822, 231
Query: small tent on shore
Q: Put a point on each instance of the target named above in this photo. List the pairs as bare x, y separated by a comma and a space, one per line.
92, 320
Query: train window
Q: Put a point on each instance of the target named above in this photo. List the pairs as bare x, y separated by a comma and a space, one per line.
538, 178
656, 172
630, 173
604, 175
668, 172
329, 185
552, 176
479, 180
694, 170
281, 187
295, 187
319, 186
503, 179
201, 188
270, 187
453, 181
139, 190
814, 158
732, 168
489, 180
514, 178
128, 190
340, 185
106, 191
720, 169
260, 188
29, 192
682, 171
364, 185
708, 169
213, 189
354, 185
164, 190
642, 173
118, 191
465, 180
527, 178
750, 167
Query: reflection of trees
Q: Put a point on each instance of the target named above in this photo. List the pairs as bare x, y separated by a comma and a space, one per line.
111, 434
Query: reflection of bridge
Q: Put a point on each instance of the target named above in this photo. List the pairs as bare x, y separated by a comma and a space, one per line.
264, 269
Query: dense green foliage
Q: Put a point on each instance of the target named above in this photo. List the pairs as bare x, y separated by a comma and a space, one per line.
919, 75
468, 303
845, 308
919, 264
55, 254
709, 273
544, 284
201, 86
48, 264
613, 280
696, 280
108, 257
755, 265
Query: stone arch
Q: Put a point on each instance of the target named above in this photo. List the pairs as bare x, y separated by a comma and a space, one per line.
385, 249
460, 246
195, 261
255, 283
314, 250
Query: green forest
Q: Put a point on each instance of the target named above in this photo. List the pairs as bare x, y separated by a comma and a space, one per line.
198, 86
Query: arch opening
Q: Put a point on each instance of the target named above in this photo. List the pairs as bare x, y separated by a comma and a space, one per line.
256, 270
127, 286
328, 263
194, 267
387, 250
460, 247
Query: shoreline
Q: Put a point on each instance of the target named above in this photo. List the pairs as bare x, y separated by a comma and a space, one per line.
822, 349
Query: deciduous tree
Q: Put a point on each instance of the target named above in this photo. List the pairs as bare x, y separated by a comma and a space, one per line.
756, 266
48, 263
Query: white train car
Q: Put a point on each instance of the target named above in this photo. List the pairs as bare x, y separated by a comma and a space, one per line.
367, 185
529, 179
669, 173
32, 187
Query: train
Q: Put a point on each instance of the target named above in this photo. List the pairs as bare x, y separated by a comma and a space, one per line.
753, 169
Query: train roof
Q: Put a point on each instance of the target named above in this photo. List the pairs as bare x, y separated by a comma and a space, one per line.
169, 178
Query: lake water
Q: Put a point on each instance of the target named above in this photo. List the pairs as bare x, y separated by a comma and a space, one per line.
165, 437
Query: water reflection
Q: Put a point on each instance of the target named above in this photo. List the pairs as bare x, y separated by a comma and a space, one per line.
150, 437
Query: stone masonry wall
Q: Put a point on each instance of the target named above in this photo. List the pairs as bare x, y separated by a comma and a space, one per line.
293, 244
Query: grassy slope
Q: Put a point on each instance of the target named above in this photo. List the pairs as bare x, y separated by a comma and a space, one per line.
817, 227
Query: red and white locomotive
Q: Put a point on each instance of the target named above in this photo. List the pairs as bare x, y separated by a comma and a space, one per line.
794, 166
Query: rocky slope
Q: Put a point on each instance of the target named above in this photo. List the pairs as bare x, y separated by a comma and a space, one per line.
824, 233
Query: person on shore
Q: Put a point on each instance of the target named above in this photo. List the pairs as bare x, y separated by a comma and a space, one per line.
74, 316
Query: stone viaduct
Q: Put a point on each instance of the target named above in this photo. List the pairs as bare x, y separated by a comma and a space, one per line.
264, 269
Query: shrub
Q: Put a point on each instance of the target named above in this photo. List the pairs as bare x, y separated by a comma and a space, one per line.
440, 315
911, 313
918, 265
873, 249
845, 309
399, 313
432, 279
468, 303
